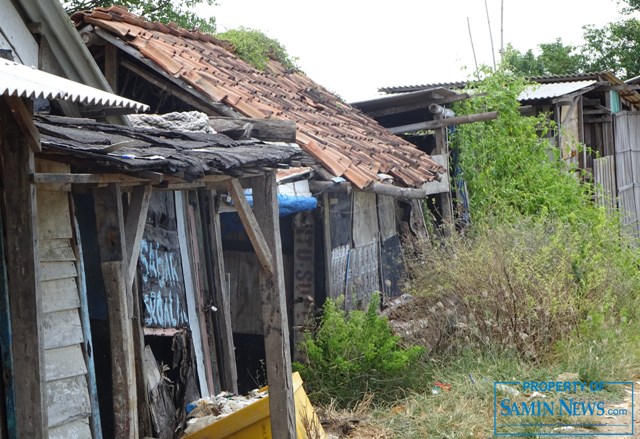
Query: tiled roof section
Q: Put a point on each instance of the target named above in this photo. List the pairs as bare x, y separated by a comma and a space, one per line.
347, 142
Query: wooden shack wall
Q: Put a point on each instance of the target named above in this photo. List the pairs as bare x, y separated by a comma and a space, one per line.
244, 271
68, 400
627, 144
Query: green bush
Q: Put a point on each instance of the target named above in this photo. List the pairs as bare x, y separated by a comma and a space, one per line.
526, 285
351, 355
256, 48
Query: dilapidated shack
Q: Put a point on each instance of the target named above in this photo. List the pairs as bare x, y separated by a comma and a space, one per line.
367, 181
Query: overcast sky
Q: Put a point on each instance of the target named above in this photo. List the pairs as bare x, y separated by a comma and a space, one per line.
352, 47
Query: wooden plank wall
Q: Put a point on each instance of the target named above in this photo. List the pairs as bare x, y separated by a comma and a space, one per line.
627, 144
69, 405
244, 271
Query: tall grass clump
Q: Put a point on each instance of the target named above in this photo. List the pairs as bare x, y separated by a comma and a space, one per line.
351, 355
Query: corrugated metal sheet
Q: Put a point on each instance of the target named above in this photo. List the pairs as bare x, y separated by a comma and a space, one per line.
553, 90
28, 82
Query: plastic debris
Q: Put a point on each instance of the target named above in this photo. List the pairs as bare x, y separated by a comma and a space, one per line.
207, 411
508, 390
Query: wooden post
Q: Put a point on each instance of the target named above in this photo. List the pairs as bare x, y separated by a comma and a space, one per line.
221, 291
303, 275
326, 228
111, 66
111, 237
274, 312
25, 296
446, 207
190, 291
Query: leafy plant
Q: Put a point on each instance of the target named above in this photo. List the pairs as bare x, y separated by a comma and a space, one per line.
541, 256
510, 165
256, 48
355, 354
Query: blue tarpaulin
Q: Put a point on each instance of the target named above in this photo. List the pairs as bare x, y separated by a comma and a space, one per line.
288, 205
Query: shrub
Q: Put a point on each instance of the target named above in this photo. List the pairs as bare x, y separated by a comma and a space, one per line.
351, 355
256, 48
527, 285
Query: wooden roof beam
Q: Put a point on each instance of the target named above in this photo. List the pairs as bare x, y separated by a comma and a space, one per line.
24, 119
441, 123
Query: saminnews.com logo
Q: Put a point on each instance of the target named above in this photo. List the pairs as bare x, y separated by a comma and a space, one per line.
563, 408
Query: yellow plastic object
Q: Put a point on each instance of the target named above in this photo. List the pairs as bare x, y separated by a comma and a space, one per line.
253, 421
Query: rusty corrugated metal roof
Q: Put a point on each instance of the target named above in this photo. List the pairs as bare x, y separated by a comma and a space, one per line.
346, 141
29, 82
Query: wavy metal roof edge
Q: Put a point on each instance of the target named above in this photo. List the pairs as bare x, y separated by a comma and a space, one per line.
462, 84
29, 82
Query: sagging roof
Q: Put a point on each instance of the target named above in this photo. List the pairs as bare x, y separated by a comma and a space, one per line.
186, 155
28, 82
552, 86
344, 140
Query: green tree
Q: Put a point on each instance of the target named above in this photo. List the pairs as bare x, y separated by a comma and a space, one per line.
555, 59
614, 47
166, 11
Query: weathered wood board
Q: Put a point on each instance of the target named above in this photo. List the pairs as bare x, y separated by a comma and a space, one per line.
73, 430
303, 275
244, 271
67, 394
56, 223
56, 250
64, 362
365, 218
386, 217
57, 270
60, 294
244, 295
62, 328
340, 218
67, 400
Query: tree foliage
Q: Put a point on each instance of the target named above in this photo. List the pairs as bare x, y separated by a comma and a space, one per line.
611, 48
614, 47
165, 11
554, 59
